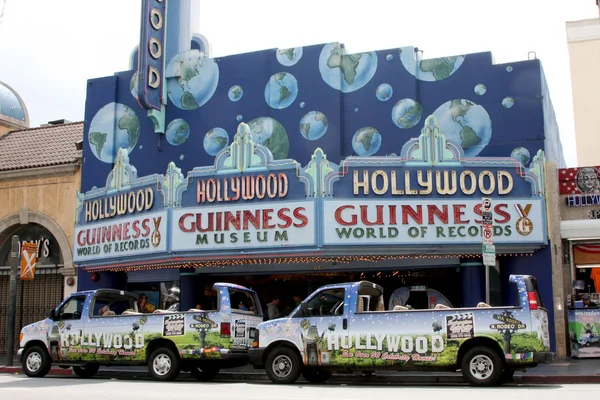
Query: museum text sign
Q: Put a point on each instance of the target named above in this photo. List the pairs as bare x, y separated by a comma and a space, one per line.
269, 225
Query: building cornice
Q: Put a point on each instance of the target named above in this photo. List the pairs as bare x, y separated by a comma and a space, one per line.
585, 30
52, 170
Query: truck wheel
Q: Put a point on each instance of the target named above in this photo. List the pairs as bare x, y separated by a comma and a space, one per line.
36, 362
204, 374
482, 366
283, 365
316, 375
86, 371
164, 364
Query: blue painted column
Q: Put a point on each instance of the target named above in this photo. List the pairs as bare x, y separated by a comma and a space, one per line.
473, 283
179, 29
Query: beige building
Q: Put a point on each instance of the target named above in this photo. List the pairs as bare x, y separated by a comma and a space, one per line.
40, 171
583, 39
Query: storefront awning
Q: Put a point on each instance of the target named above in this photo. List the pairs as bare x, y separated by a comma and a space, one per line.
580, 229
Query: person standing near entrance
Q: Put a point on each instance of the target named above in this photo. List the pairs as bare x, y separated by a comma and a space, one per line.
273, 308
297, 300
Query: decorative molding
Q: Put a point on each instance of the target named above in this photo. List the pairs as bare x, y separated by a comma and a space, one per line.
36, 217
40, 172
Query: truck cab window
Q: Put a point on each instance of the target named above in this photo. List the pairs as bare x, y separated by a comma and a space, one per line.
327, 302
72, 309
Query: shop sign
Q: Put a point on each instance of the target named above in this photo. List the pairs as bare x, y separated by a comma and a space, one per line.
151, 54
420, 182
593, 214
386, 222
43, 246
267, 225
577, 200
117, 205
28, 261
125, 237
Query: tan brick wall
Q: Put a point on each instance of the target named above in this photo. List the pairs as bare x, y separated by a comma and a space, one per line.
53, 196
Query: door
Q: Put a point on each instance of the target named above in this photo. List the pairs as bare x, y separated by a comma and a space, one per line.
65, 336
323, 326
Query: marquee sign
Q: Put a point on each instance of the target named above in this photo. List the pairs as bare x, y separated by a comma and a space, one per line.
430, 194
151, 54
126, 218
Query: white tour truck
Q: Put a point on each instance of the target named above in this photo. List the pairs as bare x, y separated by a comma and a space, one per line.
81, 333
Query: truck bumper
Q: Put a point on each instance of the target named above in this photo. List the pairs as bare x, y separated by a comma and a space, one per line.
20, 355
256, 357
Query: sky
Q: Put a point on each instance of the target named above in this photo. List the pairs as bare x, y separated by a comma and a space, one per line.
49, 49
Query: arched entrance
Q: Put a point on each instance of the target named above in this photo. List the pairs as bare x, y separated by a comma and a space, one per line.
34, 298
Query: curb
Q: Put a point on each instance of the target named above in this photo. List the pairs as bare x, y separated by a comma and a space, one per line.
557, 379
335, 379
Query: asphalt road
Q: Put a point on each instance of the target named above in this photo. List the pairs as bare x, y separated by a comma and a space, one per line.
16, 387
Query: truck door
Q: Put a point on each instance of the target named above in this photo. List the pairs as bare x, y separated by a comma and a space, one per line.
322, 326
244, 308
65, 335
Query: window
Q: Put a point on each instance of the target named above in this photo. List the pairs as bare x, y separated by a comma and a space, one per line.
243, 301
327, 302
111, 305
72, 309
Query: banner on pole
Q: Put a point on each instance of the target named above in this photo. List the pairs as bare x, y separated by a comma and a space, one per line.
29, 251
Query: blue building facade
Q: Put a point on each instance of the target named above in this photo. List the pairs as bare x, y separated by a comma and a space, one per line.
313, 159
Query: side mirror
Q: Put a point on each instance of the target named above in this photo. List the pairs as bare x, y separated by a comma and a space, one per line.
53, 314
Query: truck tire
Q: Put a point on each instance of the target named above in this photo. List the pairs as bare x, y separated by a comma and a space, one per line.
283, 365
164, 364
204, 374
316, 375
36, 362
86, 371
482, 366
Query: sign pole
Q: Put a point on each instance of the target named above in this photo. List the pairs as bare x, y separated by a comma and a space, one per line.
12, 301
488, 250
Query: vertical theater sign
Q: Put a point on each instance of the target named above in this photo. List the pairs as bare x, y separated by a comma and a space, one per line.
424, 200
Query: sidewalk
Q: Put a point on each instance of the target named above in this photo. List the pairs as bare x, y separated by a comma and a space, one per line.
566, 371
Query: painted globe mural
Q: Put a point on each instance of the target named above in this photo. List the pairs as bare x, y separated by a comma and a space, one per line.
384, 92
177, 132
114, 126
289, 57
466, 124
366, 141
313, 125
522, 155
281, 90
192, 79
271, 134
215, 140
407, 113
346, 72
435, 69
235, 93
